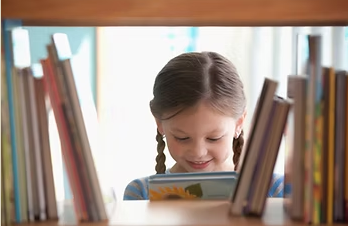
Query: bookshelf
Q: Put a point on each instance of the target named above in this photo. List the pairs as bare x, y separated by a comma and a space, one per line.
176, 12
177, 213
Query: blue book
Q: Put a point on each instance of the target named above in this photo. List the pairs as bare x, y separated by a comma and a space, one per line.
7, 26
202, 185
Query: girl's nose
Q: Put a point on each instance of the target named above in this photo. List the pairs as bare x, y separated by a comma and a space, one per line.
198, 150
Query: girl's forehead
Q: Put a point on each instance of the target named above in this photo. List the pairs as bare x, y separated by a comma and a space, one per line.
198, 109
200, 117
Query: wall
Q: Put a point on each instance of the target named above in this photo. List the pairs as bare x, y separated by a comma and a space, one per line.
82, 43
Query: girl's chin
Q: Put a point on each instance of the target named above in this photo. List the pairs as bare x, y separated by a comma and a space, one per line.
209, 168
204, 167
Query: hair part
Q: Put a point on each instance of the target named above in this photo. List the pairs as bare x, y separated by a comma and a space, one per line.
191, 78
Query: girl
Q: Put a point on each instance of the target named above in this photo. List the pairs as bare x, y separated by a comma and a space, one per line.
199, 106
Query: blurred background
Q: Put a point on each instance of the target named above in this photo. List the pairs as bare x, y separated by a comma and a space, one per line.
115, 67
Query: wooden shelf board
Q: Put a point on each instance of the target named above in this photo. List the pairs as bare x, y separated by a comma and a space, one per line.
177, 12
178, 213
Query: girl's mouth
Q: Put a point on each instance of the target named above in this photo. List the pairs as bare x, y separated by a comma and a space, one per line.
199, 164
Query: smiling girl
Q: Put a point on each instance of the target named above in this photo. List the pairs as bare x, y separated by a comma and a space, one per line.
199, 106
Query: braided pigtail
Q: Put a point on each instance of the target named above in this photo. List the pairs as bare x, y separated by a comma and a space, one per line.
160, 158
237, 149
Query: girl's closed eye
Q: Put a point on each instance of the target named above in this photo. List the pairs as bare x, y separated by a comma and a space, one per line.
186, 138
214, 139
181, 138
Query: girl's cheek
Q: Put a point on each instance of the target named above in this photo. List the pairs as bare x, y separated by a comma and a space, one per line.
174, 148
221, 151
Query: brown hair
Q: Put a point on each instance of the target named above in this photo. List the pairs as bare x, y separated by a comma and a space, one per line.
190, 78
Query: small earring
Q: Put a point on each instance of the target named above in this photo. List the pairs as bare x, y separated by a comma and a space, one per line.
236, 135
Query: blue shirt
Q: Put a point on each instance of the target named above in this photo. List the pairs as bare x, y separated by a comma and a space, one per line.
138, 189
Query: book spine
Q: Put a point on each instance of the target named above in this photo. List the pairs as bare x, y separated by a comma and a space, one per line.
26, 135
346, 155
37, 148
316, 72
331, 146
15, 170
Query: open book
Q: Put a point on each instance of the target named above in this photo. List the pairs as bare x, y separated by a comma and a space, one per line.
202, 185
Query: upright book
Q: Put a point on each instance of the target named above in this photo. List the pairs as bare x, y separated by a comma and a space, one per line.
261, 151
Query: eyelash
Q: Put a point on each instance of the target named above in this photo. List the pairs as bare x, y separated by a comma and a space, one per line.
214, 139
181, 139
186, 138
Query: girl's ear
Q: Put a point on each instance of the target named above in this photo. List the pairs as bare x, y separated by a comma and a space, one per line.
240, 122
160, 126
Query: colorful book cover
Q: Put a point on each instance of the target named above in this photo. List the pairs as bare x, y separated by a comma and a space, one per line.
314, 134
204, 186
318, 129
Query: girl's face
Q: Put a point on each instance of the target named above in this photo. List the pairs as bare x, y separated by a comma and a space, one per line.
200, 139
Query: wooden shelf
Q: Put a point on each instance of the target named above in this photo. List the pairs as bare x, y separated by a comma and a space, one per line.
178, 213
177, 12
